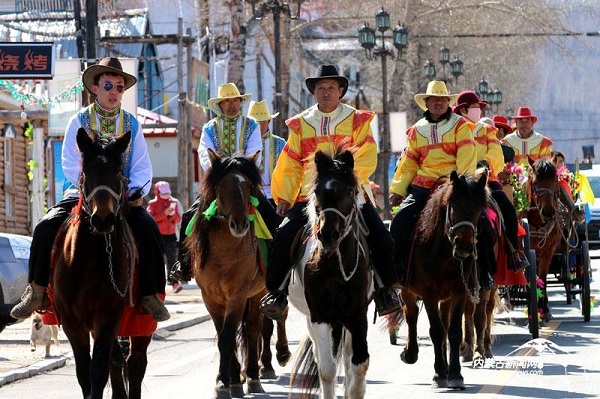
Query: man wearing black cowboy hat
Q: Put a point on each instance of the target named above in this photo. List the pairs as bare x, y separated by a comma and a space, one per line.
107, 82
322, 127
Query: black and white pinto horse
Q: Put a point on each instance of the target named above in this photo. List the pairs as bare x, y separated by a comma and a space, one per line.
332, 283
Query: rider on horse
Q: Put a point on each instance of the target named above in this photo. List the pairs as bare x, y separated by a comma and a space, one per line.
488, 148
321, 127
105, 116
526, 142
439, 143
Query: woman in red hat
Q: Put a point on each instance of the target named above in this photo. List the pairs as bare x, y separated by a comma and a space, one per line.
488, 150
527, 142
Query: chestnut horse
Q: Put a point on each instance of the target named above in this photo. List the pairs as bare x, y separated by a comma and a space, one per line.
94, 264
224, 252
545, 230
442, 272
332, 283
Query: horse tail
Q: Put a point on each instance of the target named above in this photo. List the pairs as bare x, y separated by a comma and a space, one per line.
305, 373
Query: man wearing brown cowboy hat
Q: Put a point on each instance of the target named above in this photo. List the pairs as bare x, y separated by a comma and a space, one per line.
229, 133
525, 141
322, 127
439, 143
107, 82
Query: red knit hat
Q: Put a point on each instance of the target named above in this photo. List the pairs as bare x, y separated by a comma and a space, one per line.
466, 98
502, 121
525, 112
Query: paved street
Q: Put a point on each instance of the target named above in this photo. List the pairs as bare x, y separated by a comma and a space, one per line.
183, 362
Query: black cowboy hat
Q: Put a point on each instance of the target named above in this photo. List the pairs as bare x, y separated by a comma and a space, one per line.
326, 72
106, 65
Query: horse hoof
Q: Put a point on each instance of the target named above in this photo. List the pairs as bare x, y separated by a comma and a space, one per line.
408, 359
221, 391
254, 386
457, 383
267, 374
467, 357
237, 391
489, 354
547, 317
439, 382
283, 358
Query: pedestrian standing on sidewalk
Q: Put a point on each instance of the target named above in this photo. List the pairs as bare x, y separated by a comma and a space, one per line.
165, 211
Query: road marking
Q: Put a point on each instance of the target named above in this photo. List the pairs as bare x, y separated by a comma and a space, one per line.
167, 368
493, 387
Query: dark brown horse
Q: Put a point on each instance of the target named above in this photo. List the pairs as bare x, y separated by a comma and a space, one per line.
545, 230
442, 272
333, 283
224, 251
94, 265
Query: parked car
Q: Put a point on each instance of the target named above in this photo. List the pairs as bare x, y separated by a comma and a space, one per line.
14, 259
593, 226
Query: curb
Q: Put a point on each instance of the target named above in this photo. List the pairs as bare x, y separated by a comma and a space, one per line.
45, 365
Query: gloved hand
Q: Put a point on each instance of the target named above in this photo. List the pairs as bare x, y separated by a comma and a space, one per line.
135, 199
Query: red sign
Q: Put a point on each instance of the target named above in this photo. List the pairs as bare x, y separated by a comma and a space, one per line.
26, 60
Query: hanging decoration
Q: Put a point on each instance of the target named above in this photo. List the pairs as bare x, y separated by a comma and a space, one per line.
23, 95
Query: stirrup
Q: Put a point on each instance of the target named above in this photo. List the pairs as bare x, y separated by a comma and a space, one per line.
273, 305
387, 301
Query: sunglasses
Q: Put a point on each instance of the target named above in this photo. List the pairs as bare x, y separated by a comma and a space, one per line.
108, 86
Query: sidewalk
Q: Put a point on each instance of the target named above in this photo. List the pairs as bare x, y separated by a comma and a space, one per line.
17, 361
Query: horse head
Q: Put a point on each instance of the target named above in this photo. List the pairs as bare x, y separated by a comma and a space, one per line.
543, 191
464, 204
334, 197
234, 180
102, 182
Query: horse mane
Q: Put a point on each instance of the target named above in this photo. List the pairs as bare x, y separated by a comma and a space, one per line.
208, 193
102, 147
544, 169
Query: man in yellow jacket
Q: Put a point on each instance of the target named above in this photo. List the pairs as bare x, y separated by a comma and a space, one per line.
323, 127
439, 143
526, 142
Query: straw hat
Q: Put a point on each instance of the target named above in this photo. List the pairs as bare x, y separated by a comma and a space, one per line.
525, 112
435, 88
106, 65
226, 91
260, 111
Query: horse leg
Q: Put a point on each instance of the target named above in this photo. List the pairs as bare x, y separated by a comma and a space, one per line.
356, 368
466, 347
410, 354
455, 378
103, 344
281, 346
136, 364
118, 370
252, 328
266, 356
437, 333
545, 308
235, 372
490, 309
80, 343
323, 340
481, 320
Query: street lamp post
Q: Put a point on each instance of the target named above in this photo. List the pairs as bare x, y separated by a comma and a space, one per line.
277, 8
456, 66
367, 39
493, 97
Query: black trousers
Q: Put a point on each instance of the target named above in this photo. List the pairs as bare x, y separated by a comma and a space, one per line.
145, 232
509, 214
170, 246
405, 221
379, 239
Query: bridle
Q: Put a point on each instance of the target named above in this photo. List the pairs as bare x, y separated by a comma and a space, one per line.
451, 229
120, 196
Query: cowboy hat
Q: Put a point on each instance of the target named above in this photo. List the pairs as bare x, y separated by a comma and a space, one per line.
226, 91
259, 111
502, 121
466, 98
326, 72
435, 88
106, 65
525, 112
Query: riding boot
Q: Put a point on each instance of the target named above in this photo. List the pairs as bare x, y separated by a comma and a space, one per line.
154, 305
518, 261
274, 304
387, 301
182, 270
34, 298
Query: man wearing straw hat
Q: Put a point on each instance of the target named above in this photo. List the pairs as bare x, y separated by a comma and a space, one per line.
107, 82
322, 127
229, 133
439, 143
525, 141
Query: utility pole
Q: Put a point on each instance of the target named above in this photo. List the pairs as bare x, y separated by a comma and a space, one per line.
91, 23
183, 183
78, 29
188, 125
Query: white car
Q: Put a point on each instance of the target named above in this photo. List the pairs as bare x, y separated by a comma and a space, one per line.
14, 269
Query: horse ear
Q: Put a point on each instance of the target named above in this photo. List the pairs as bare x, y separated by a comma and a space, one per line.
83, 140
254, 157
348, 159
454, 176
122, 142
322, 161
213, 156
483, 179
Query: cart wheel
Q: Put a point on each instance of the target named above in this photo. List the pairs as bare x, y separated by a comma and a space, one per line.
532, 309
585, 281
567, 276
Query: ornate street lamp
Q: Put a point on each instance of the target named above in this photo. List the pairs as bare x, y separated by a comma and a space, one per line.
483, 89
277, 8
368, 40
456, 66
429, 70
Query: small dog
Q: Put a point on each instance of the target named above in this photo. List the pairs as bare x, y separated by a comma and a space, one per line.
42, 334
